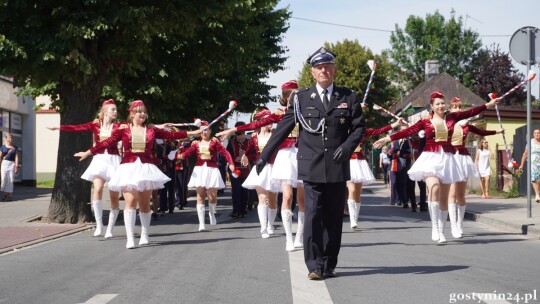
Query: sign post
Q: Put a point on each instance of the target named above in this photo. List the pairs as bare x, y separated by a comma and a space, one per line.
524, 47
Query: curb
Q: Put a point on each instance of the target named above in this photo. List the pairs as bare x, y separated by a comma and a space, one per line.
45, 239
529, 230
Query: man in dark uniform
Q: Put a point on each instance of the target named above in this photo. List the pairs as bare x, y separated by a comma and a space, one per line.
331, 126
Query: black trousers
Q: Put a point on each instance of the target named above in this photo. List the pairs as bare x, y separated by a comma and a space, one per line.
166, 195
179, 188
423, 189
324, 203
239, 195
394, 192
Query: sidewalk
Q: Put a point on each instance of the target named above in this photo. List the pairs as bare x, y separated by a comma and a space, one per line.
504, 214
20, 224
20, 220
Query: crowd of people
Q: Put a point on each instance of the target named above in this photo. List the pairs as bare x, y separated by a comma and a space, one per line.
314, 157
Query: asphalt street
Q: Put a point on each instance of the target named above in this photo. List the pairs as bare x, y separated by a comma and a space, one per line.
390, 259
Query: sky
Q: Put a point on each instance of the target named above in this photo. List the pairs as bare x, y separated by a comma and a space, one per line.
495, 20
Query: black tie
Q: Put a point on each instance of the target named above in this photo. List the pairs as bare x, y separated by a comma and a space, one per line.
325, 101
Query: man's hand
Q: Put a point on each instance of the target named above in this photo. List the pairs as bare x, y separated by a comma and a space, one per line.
340, 154
259, 165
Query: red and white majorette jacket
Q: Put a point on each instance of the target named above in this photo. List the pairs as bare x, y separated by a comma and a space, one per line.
98, 134
290, 141
259, 147
208, 154
438, 136
460, 135
138, 148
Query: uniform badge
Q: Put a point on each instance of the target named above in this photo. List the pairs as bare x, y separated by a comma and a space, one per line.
313, 95
342, 105
342, 120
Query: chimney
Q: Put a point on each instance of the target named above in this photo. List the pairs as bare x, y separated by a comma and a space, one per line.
432, 69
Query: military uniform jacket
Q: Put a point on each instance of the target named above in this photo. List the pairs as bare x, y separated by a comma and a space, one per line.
344, 126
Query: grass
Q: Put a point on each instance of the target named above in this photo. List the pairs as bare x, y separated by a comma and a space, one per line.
45, 184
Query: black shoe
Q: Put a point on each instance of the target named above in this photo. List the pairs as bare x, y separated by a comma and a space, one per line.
171, 211
392, 204
316, 274
423, 207
181, 207
405, 206
413, 210
330, 273
154, 216
399, 204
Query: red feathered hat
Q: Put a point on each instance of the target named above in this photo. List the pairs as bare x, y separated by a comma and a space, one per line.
107, 102
291, 84
262, 114
136, 103
437, 94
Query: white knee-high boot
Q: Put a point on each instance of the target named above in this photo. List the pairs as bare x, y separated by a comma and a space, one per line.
129, 222
98, 214
271, 219
460, 216
443, 217
357, 210
452, 211
299, 237
212, 214
145, 224
433, 208
286, 217
262, 210
352, 212
113, 215
200, 214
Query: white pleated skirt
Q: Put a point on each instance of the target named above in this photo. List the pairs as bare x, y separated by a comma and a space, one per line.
103, 166
207, 177
137, 176
442, 165
360, 172
285, 169
264, 180
466, 166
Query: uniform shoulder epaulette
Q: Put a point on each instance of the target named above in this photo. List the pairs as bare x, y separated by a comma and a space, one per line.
96, 121
215, 139
279, 112
194, 141
150, 126
122, 126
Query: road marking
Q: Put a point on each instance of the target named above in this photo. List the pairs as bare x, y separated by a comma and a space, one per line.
100, 299
304, 290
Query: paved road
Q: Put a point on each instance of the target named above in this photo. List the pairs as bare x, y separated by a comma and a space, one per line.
391, 259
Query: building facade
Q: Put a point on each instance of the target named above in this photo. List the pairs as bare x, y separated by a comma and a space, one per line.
17, 117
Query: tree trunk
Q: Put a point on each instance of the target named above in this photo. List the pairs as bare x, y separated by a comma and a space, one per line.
71, 194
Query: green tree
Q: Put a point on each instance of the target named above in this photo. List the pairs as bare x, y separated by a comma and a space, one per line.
494, 73
354, 73
433, 38
158, 51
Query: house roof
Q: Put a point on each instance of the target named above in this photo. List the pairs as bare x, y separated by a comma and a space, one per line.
447, 85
